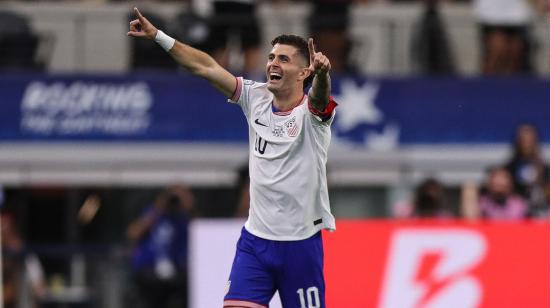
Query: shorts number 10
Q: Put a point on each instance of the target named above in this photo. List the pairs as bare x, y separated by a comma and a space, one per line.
312, 296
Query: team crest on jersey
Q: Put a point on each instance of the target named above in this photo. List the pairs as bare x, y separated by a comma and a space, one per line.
292, 127
277, 131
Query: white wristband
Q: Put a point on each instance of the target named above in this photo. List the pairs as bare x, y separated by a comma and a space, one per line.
165, 41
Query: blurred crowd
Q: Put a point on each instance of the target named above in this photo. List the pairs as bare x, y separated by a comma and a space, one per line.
515, 190
157, 239
504, 29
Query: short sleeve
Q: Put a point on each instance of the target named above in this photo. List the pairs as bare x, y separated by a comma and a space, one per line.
241, 94
237, 92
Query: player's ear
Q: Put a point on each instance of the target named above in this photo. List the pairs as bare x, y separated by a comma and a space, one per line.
304, 73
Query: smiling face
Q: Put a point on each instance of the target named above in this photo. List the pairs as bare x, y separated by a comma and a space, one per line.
285, 69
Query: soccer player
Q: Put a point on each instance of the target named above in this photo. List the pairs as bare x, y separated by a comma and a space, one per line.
280, 248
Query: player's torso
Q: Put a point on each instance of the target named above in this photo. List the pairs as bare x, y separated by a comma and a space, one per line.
287, 169
277, 134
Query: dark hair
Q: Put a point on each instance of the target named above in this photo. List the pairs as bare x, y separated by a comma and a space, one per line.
429, 198
300, 44
517, 151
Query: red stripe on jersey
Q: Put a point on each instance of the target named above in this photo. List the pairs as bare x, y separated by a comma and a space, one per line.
325, 114
238, 88
239, 303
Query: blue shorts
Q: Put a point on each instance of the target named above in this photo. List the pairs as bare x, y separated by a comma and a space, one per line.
261, 267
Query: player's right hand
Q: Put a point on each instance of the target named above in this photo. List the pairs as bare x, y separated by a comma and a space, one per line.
141, 27
318, 62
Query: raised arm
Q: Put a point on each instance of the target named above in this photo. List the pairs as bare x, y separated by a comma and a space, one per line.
319, 65
193, 60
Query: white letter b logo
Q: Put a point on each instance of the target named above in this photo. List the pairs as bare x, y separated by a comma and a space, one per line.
430, 269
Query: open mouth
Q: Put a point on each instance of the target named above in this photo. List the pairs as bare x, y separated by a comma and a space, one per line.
275, 76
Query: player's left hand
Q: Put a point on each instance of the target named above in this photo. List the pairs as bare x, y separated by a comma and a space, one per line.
318, 63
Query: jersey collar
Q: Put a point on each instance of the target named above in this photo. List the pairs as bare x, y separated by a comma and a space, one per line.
283, 113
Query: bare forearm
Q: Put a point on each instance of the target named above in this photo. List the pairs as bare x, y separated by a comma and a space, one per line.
193, 60
320, 91
203, 65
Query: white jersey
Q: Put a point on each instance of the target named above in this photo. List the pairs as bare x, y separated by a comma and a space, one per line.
288, 154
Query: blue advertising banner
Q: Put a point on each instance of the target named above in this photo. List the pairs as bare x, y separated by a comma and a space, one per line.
122, 108
378, 113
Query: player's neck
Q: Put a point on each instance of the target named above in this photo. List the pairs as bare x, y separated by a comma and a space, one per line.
287, 102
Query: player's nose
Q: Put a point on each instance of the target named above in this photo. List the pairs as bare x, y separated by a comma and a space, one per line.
275, 61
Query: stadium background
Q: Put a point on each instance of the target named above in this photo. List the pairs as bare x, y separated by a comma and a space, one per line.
83, 126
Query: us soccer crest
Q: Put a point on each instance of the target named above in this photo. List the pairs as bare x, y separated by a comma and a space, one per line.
292, 127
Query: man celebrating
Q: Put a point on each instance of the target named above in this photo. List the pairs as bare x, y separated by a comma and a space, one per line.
280, 248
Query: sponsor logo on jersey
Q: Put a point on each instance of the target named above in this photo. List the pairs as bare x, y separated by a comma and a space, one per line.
278, 131
257, 121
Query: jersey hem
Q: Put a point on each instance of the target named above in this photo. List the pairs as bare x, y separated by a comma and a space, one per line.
288, 238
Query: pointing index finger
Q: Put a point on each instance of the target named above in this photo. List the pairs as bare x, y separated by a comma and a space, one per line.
311, 48
138, 14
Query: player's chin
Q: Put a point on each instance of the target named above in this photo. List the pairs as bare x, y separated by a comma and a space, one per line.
272, 86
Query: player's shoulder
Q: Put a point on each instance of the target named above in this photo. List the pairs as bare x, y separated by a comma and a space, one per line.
257, 91
254, 84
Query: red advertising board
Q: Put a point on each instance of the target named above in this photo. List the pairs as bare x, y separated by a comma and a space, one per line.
391, 264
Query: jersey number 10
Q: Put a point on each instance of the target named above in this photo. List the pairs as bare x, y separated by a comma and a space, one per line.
260, 144
310, 296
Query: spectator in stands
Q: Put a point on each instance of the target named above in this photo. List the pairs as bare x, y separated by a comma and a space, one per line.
328, 25
431, 50
159, 259
429, 201
526, 166
496, 201
505, 38
234, 21
146, 55
243, 187
22, 273
18, 42
190, 27
541, 209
